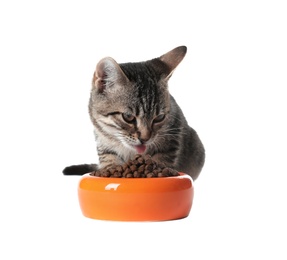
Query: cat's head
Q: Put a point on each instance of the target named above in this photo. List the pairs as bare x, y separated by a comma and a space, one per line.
131, 101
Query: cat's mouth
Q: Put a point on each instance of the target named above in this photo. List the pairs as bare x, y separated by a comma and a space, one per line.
140, 148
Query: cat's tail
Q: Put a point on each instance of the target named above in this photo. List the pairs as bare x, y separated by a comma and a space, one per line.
80, 169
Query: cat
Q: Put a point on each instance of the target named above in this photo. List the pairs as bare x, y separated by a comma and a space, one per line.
133, 112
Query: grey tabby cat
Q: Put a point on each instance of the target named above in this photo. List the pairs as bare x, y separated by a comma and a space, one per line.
133, 113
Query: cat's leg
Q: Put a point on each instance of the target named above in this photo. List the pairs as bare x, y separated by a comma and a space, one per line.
165, 159
190, 165
108, 160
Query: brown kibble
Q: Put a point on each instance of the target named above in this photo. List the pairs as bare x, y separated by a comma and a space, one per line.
156, 172
150, 175
134, 162
174, 172
98, 173
117, 174
141, 169
141, 166
148, 161
106, 173
149, 167
119, 168
161, 174
129, 163
160, 165
165, 171
138, 156
127, 171
112, 171
125, 166
146, 172
137, 174
133, 168
141, 160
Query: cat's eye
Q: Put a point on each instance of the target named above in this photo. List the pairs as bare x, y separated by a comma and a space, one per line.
129, 118
159, 118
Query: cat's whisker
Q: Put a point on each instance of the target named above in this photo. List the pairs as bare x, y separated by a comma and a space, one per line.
173, 132
155, 146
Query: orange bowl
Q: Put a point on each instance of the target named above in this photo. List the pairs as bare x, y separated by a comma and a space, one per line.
136, 199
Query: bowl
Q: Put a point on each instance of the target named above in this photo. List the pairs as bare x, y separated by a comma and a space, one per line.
136, 199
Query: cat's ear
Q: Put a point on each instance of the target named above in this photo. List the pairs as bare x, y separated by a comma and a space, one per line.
107, 74
172, 59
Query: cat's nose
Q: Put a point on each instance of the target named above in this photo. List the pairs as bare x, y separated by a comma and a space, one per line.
144, 136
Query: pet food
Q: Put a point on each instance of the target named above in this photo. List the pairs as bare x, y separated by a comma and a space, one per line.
142, 166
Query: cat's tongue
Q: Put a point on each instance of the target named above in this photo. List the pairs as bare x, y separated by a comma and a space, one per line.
140, 148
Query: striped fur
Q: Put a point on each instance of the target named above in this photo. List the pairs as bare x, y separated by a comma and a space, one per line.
133, 112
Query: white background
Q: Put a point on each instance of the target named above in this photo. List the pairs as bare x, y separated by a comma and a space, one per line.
231, 86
